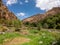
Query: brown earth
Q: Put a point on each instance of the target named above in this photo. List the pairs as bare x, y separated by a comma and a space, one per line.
16, 41
5, 13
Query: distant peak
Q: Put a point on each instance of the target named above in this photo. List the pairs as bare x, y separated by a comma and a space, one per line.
55, 9
39, 17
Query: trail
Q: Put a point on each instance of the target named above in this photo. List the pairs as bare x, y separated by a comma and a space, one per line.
17, 41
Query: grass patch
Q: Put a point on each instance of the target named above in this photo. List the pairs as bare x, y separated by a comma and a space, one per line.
8, 36
42, 38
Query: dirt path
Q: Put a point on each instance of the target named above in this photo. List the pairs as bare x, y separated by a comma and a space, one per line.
17, 41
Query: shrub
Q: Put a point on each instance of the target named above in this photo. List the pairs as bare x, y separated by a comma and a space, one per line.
17, 30
39, 26
58, 42
52, 22
45, 25
33, 24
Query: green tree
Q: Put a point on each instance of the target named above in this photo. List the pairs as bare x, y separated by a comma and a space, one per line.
39, 26
45, 25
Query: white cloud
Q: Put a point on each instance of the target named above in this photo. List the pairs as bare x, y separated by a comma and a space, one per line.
21, 14
47, 4
10, 2
26, 1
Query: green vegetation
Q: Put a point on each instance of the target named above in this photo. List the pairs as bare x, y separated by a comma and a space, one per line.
36, 37
47, 37
41, 38
10, 23
8, 36
50, 22
30, 24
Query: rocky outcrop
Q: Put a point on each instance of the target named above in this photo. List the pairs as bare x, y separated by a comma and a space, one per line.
5, 13
39, 17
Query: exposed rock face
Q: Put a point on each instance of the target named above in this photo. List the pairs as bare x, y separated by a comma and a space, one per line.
5, 13
39, 17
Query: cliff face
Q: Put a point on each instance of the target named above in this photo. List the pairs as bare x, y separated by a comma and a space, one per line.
39, 17
5, 13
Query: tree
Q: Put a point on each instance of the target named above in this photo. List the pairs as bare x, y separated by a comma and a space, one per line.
39, 26
45, 25
58, 26
33, 24
17, 23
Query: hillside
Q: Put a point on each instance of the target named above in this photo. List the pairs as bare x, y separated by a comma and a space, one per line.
49, 20
39, 17
5, 13
7, 18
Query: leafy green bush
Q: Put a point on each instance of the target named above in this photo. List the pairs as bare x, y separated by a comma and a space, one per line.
58, 42
11, 23
39, 26
45, 25
52, 22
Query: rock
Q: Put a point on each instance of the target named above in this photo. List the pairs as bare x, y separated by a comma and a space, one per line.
5, 13
2, 32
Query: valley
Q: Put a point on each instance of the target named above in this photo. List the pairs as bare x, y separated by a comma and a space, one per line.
40, 29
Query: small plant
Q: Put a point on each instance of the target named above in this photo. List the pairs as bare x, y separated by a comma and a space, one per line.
39, 26
17, 30
45, 25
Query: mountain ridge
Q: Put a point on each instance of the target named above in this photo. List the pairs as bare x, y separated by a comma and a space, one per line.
39, 17
5, 13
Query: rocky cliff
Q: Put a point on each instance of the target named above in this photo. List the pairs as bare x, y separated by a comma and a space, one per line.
5, 13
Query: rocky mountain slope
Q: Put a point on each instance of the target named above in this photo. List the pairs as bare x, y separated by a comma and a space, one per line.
5, 13
39, 17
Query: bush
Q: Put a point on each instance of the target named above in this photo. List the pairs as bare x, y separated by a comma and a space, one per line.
39, 26
52, 22
58, 42
17, 30
45, 25
58, 26
11, 23
33, 24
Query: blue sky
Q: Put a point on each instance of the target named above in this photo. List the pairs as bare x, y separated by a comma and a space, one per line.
26, 8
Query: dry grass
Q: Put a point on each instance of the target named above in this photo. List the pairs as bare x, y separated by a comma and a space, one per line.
16, 41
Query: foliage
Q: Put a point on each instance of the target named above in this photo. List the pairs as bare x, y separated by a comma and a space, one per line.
45, 25
8, 36
41, 38
30, 24
11, 23
58, 42
51, 22
39, 26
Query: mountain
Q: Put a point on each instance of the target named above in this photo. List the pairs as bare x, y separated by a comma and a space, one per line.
5, 13
39, 17
7, 18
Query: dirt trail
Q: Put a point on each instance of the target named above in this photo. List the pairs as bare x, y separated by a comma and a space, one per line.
17, 41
